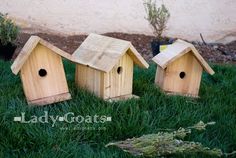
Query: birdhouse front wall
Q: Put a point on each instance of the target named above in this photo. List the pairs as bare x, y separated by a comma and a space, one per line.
43, 75
117, 82
182, 76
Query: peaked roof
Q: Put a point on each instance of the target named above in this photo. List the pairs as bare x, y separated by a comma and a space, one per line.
176, 50
102, 53
28, 49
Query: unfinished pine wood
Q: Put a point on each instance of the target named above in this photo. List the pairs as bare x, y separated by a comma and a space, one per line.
90, 79
105, 66
124, 97
181, 94
107, 85
160, 76
50, 100
28, 49
37, 54
169, 79
175, 51
53, 84
119, 84
55, 49
103, 53
201, 60
24, 54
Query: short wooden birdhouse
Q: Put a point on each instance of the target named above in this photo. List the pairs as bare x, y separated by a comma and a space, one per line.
105, 66
179, 69
42, 72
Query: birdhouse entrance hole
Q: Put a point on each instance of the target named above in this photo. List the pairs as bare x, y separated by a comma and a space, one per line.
119, 70
182, 75
42, 72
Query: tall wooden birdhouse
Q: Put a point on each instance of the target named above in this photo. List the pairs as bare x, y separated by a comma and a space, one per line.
105, 66
179, 69
42, 72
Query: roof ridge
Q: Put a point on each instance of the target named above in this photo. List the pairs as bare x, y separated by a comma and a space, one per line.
28, 48
175, 51
102, 52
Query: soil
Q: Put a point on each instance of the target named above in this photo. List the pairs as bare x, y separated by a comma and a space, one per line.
215, 53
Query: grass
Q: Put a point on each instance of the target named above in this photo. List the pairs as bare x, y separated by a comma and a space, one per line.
131, 118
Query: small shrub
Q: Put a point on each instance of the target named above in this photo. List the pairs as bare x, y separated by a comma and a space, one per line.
157, 17
8, 30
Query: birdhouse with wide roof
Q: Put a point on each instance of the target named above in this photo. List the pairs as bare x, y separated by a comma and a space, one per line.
179, 69
105, 66
42, 72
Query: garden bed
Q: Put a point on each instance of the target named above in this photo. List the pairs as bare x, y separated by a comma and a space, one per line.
214, 53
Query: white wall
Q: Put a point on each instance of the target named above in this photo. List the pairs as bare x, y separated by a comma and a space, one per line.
215, 19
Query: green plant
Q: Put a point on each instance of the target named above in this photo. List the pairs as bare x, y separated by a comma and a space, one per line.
8, 30
157, 17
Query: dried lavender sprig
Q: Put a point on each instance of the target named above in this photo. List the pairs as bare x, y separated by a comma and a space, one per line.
165, 143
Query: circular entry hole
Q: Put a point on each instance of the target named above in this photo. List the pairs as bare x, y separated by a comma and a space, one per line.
182, 75
119, 70
42, 72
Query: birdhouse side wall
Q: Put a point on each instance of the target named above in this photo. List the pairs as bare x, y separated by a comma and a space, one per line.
43, 75
90, 79
183, 76
160, 74
119, 81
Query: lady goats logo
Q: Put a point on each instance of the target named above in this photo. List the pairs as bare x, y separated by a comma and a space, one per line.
68, 118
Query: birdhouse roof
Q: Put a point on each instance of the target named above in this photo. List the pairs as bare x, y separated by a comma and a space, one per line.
28, 49
102, 53
175, 51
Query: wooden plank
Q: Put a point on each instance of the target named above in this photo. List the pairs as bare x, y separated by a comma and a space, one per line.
201, 60
28, 49
97, 50
56, 49
103, 53
160, 76
126, 75
89, 79
80, 76
195, 78
190, 83
170, 54
50, 100
177, 50
119, 84
107, 86
181, 94
24, 54
53, 83
123, 98
102, 85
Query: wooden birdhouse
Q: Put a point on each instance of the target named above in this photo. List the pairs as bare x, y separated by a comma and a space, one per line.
42, 72
179, 69
105, 66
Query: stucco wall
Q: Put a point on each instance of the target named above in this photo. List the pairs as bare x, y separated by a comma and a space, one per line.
215, 19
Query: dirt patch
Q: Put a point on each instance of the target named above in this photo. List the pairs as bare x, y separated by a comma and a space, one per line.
218, 53
68, 44
215, 53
